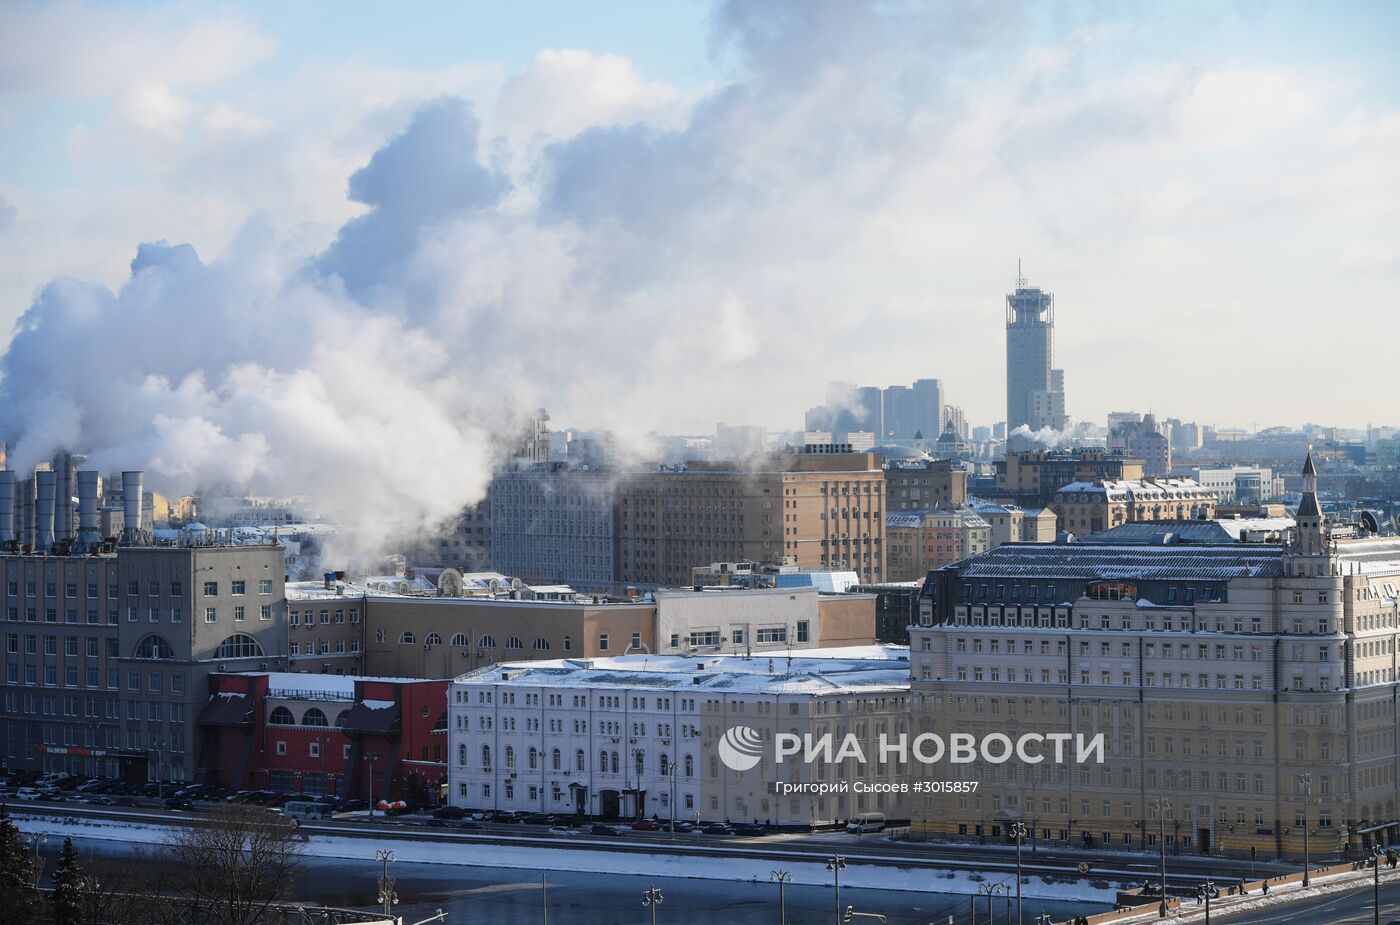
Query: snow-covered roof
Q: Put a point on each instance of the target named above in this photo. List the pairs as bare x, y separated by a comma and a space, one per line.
1140, 489
1094, 561
853, 669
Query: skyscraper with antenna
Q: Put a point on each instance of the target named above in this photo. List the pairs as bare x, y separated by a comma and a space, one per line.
1035, 391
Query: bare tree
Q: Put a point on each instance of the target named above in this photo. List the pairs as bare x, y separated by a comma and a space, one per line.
234, 864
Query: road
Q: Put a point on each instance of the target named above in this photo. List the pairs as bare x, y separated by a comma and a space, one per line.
1352, 907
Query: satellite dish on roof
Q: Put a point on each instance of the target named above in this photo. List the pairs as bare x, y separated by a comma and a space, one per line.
1370, 523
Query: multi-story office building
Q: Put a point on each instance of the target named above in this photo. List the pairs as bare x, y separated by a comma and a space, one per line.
1090, 507
1145, 440
638, 736
1031, 478
554, 523
1035, 395
1239, 484
917, 485
107, 655
819, 511
1250, 686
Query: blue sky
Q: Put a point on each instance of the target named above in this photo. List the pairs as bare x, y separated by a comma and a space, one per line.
827, 190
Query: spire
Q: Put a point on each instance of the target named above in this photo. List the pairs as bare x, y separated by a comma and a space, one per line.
1308, 468
1308, 506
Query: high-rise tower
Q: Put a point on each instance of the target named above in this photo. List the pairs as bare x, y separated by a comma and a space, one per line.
1035, 393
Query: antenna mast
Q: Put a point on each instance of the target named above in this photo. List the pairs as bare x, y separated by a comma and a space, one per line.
1020, 277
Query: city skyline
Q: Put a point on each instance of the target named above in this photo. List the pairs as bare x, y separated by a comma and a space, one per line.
1178, 174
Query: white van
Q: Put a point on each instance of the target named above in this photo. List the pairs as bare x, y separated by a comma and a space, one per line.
865, 822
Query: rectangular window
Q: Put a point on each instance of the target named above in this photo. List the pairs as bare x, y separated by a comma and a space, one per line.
265, 612
211, 614
603, 642
238, 613
772, 634
265, 586
211, 588
281, 748
239, 587
177, 683
803, 632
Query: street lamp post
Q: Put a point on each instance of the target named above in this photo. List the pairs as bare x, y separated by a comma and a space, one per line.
1018, 831
1306, 780
781, 878
38, 839
1161, 807
370, 758
1205, 891
1376, 855
991, 889
836, 864
651, 899
387, 896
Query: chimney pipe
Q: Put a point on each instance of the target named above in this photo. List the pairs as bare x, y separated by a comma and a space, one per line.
89, 535
132, 486
24, 507
63, 496
46, 482
7, 505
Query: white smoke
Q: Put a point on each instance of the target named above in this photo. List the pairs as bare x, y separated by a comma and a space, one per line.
1050, 438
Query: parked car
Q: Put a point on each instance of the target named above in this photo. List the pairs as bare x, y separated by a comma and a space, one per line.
28, 793
680, 825
604, 830
646, 825
540, 819
101, 800
719, 828
449, 812
750, 829
178, 803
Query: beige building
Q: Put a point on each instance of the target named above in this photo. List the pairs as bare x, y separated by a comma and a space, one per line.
821, 511
1090, 507
1031, 478
1252, 686
346, 629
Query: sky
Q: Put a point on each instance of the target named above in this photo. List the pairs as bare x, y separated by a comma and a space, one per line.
232, 234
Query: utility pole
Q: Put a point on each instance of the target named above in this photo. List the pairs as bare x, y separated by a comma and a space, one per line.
1376, 855
1205, 891
651, 899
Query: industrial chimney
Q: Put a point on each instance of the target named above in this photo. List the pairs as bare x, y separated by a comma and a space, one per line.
46, 482
63, 497
89, 535
24, 509
132, 486
7, 505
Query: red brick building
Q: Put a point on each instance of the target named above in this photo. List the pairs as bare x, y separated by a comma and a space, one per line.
317, 733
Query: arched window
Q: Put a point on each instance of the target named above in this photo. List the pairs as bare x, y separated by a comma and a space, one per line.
665, 764
281, 716
432, 639
615, 765
556, 759
407, 638
154, 646
689, 766
486, 757
541, 644
486, 642
603, 762
510, 757
239, 645
340, 719
640, 762
441, 724
314, 717
534, 758
462, 754
579, 760
514, 643
460, 640
567, 644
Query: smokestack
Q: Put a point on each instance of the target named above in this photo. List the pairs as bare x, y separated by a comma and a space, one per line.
132, 487
7, 505
63, 497
46, 481
88, 533
24, 507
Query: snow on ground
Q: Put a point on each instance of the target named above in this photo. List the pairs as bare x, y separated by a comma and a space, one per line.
858, 875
